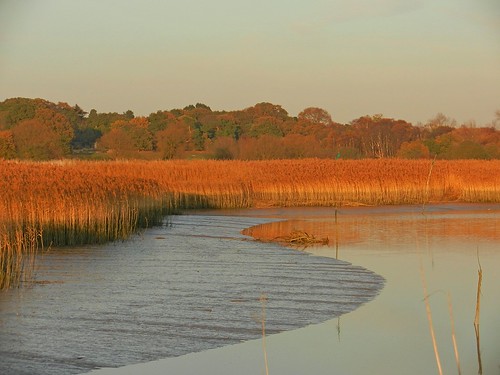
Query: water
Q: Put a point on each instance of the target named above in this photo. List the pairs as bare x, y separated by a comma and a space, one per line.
389, 335
192, 285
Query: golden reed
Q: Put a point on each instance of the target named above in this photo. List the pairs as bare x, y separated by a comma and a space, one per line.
78, 202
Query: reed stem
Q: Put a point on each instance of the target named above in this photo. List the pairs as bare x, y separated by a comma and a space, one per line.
453, 335
263, 300
429, 318
476, 318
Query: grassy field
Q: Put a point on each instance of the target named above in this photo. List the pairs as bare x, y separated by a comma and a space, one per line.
77, 202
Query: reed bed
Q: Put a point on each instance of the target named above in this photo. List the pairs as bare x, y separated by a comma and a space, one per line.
78, 202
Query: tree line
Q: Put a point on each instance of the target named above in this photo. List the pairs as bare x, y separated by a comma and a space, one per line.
38, 129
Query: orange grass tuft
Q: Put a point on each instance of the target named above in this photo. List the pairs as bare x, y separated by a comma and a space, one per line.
78, 202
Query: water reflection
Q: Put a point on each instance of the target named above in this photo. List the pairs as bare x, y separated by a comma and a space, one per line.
446, 241
423, 230
390, 334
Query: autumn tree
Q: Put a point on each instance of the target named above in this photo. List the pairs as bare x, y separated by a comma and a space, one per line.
46, 145
264, 130
117, 143
127, 137
59, 124
440, 120
7, 146
316, 116
413, 150
102, 121
381, 137
172, 141
496, 120
266, 125
265, 109
296, 146
265, 147
224, 148
74, 114
159, 120
16, 110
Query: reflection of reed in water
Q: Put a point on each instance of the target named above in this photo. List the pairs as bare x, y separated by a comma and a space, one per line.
349, 229
411, 226
18, 249
429, 318
454, 341
263, 300
476, 318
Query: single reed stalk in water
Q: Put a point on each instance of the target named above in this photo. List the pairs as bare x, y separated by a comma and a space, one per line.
453, 336
426, 193
429, 318
476, 318
263, 300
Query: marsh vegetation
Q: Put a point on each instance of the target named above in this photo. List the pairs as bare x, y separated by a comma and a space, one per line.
77, 202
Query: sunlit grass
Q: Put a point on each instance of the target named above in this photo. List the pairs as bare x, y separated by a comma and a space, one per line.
80, 202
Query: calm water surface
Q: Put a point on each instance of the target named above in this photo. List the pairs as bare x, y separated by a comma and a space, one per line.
389, 335
386, 335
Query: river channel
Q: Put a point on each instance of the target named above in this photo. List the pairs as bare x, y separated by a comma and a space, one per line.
390, 334
194, 284
188, 298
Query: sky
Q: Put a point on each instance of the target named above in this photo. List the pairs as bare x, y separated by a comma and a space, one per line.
407, 59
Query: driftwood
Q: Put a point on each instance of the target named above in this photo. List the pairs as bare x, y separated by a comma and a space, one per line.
300, 238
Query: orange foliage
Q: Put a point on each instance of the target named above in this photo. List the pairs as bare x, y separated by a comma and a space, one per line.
76, 202
7, 146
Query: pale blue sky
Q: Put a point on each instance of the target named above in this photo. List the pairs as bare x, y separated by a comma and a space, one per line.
406, 59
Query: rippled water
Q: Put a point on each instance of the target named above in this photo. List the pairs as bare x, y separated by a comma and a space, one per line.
390, 334
190, 286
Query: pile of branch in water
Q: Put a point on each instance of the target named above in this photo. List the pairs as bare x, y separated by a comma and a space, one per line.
300, 238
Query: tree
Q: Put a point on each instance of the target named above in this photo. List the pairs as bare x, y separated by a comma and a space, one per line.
296, 146
197, 137
85, 138
265, 147
381, 137
266, 125
171, 141
102, 121
267, 109
59, 124
496, 121
413, 150
316, 116
118, 142
46, 145
223, 148
467, 149
129, 114
75, 115
440, 120
17, 110
127, 138
7, 146
139, 129
160, 120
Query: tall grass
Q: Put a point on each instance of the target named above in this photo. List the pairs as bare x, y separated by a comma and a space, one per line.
79, 202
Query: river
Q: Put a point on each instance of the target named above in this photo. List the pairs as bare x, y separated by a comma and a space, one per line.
189, 297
